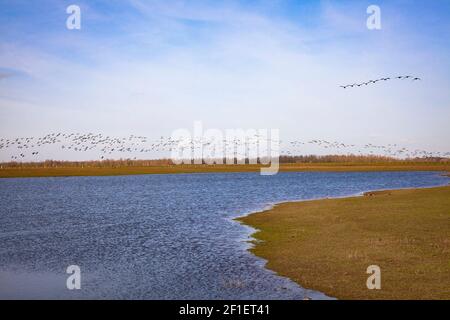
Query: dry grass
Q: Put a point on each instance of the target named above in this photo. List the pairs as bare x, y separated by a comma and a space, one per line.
327, 245
11, 172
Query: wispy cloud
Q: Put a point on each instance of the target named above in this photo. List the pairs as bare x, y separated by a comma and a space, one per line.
4, 75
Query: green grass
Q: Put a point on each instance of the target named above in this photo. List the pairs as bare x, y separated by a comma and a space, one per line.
328, 244
164, 169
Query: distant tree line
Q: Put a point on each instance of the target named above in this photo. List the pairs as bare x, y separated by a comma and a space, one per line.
355, 158
109, 163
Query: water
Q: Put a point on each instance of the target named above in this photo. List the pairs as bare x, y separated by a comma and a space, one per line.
157, 236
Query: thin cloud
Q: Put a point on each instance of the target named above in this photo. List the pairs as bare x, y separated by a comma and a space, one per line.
4, 75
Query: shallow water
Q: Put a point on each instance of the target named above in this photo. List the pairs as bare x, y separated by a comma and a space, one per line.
157, 236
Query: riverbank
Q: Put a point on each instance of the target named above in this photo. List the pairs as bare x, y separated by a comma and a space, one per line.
327, 245
168, 169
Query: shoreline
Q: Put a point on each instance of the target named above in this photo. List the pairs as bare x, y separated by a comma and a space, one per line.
260, 243
183, 169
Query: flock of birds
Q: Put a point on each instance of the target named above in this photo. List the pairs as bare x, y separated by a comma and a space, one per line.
380, 79
109, 147
389, 150
77, 142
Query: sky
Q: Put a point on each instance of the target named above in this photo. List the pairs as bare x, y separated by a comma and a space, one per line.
151, 67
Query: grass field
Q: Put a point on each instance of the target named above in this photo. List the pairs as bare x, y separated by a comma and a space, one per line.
163, 169
327, 245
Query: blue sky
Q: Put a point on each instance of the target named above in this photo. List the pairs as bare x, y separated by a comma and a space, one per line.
151, 67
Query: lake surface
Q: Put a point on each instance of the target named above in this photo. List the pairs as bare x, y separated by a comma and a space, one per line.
157, 236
